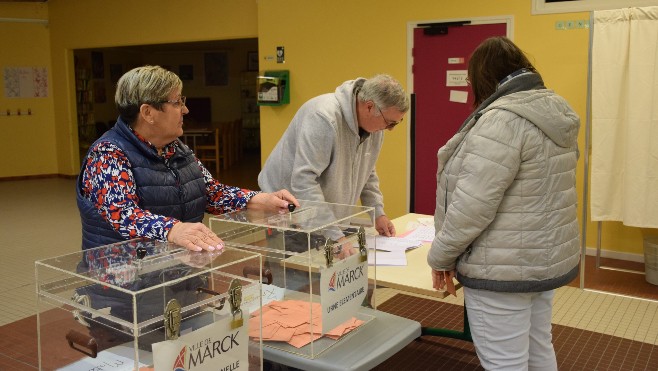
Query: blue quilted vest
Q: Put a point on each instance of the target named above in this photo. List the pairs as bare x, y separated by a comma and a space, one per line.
175, 189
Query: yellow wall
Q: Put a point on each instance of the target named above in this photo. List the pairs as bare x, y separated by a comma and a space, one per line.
27, 146
326, 42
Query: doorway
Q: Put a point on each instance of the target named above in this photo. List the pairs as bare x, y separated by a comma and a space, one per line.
226, 97
442, 98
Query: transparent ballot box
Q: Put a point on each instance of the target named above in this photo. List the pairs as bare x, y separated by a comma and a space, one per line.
143, 305
315, 271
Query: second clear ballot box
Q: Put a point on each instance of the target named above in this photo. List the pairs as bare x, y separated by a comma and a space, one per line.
144, 305
316, 289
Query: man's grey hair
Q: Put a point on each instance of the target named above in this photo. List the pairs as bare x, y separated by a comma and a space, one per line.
146, 84
385, 92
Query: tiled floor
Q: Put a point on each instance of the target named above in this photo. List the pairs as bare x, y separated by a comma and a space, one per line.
592, 330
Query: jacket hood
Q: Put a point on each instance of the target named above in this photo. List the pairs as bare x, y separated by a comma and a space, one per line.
346, 100
546, 110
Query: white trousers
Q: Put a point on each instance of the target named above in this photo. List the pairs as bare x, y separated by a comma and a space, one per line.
511, 331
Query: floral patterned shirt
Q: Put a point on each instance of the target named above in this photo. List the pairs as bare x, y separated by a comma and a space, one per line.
108, 182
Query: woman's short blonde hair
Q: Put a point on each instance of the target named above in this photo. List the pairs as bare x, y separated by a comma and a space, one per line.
144, 85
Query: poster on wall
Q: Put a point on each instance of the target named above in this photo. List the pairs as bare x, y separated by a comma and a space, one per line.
26, 82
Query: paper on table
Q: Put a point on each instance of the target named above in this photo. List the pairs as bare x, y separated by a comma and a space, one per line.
389, 250
422, 233
429, 221
395, 257
120, 357
392, 243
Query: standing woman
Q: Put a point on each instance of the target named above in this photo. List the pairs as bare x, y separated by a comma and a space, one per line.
140, 180
505, 216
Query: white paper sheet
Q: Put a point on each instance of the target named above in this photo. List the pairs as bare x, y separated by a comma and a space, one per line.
389, 251
423, 233
392, 243
389, 258
458, 96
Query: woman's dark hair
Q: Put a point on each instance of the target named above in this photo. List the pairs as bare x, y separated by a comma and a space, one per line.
493, 60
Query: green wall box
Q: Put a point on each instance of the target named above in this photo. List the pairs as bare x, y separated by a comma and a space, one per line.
274, 88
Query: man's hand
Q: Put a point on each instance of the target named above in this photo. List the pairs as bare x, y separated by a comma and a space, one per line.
194, 236
346, 249
384, 226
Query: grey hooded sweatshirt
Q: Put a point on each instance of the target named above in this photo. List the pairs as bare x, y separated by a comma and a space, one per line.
322, 156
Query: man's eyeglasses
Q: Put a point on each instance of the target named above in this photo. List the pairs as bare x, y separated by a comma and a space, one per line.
177, 103
389, 125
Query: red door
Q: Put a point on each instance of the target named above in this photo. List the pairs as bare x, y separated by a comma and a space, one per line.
439, 109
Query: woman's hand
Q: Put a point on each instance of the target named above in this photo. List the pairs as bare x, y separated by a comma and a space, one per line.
442, 281
275, 201
194, 236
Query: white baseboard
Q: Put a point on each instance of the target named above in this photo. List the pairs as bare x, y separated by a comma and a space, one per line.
591, 251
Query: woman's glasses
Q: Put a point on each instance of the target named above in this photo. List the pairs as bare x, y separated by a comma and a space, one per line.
177, 103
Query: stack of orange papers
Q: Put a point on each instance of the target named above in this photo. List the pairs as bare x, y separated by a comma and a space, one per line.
290, 321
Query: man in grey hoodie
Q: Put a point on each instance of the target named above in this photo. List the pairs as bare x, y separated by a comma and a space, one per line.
329, 151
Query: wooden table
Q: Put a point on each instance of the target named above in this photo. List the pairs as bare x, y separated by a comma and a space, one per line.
416, 275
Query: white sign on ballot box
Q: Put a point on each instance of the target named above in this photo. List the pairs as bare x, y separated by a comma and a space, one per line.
210, 348
343, 288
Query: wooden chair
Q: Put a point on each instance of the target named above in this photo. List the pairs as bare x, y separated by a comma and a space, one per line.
212, 151
237, 140
227, 144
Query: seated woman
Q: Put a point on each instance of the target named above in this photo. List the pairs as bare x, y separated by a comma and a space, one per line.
139, 180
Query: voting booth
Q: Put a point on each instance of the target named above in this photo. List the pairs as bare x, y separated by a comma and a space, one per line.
316, 292
145, 304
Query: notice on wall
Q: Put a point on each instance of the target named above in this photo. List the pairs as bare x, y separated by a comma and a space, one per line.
26, 82
456, 60
458, 96
456, 78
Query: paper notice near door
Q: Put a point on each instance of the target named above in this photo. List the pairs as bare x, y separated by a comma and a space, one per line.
457, 78
458, 96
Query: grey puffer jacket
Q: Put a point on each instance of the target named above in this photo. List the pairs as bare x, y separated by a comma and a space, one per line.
506, 196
